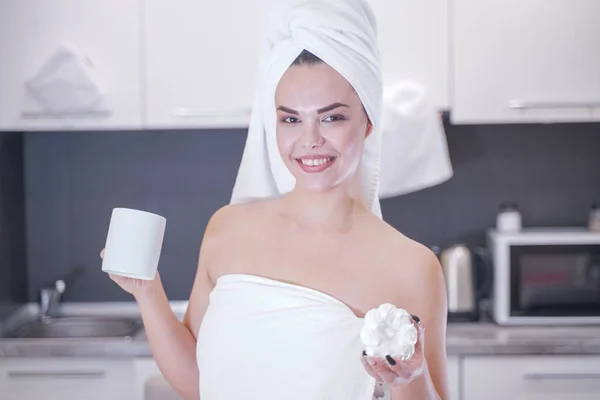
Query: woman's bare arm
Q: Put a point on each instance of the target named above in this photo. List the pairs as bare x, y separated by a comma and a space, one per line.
426, 298
173, 343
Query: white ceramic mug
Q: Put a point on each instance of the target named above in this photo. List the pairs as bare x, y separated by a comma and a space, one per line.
133, 243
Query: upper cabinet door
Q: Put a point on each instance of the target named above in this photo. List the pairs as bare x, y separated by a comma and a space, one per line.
70, 64
526, 61
201, 62
413, 38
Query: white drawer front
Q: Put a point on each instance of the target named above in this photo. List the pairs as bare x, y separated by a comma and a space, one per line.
66, 379
532, 378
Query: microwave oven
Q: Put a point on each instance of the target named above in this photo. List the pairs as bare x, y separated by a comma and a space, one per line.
545, 276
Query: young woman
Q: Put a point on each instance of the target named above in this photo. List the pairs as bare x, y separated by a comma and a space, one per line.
283, 283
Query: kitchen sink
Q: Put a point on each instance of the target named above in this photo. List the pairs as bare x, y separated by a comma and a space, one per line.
79, 327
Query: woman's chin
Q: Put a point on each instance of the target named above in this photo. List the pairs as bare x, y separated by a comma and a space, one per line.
315, 187
319, 183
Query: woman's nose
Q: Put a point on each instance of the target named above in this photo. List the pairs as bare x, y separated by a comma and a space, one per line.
312, 137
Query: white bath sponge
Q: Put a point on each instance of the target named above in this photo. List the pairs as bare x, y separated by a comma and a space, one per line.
388, 330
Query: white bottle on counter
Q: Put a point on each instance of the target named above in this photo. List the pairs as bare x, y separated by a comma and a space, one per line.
508, 218
594, 221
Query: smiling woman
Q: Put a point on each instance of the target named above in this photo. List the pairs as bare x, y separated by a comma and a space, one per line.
321, 129
280, 316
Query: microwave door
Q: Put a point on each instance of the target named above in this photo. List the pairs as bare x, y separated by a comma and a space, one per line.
555, 280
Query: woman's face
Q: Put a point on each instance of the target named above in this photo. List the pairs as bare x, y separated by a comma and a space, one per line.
321, 126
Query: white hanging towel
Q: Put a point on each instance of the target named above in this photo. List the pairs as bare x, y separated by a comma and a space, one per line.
415, 150
343, 33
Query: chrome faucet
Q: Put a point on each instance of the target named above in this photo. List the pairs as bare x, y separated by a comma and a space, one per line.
49, 299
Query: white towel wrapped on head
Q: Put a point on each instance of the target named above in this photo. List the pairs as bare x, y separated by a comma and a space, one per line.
342, 33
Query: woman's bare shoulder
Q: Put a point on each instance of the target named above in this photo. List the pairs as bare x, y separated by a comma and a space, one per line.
410, 268
236, 217
398, 246
231, 226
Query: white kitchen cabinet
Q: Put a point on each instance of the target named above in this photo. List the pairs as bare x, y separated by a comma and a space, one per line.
525, 61
413, 39
105, 34
201, 61
66, 379
145, 368
531, 378
202, 58
150, 383
453, 373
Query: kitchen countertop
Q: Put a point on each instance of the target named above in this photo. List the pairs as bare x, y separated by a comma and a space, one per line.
480, 338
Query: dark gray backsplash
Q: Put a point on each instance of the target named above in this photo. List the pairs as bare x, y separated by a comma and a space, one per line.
13, 272
551, 171
73, 180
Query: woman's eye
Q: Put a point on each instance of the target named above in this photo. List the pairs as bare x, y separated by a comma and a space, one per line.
334, 118
291, 120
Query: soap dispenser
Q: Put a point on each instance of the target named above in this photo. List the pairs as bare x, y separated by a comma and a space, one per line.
594, 219
508, 218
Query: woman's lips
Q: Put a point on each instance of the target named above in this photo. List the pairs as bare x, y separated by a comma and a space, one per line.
315, 163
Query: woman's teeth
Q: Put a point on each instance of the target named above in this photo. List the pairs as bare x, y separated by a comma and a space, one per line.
313, 162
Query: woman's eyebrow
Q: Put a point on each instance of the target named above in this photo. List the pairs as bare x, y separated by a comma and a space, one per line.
287, 110
331, 107
319, 111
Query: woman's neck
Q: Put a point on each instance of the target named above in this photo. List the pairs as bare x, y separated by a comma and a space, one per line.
325, 211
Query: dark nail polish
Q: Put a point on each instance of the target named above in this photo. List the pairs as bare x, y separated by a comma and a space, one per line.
416, 319
390, 360
364, 353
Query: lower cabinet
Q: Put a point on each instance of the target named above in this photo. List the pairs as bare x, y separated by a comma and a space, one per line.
149, 382
469, 377
531, 378
75, 378
66, 379
453, 373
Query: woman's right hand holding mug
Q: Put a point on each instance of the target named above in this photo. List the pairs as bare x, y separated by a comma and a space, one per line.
136, 287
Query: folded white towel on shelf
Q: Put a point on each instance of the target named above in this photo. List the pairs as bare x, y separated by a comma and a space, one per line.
65, 85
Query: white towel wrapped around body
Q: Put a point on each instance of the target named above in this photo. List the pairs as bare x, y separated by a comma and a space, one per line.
342, 33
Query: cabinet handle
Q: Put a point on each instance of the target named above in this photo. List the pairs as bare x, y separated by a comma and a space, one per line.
57, 115
186, 112
57, 374
523, 105
546, 376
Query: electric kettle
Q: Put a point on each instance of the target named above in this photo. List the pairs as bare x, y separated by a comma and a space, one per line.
467, 275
